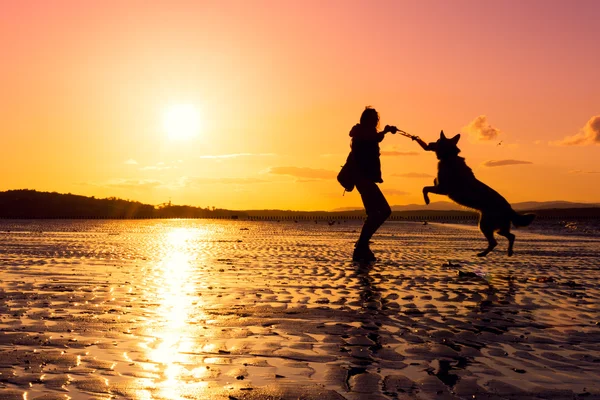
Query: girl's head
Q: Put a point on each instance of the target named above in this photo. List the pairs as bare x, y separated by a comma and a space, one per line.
370, 118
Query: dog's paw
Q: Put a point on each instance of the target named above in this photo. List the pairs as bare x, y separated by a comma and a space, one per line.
483, 253
426, 198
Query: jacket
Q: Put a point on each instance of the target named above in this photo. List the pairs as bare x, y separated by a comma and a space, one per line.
365, 151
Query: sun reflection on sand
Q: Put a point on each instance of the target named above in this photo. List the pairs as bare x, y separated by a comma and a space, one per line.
171, 334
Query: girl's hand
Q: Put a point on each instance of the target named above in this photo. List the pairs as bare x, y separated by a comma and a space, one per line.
390, 128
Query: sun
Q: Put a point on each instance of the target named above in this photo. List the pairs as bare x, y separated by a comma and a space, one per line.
181, 121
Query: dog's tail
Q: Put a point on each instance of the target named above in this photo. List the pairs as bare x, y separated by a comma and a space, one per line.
522, 219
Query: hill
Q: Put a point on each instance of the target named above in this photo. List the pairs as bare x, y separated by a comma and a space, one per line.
450, 206
33, 204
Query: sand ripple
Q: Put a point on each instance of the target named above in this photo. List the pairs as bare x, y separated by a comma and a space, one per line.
264, 310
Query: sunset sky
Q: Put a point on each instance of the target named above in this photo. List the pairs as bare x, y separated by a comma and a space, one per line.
98, 97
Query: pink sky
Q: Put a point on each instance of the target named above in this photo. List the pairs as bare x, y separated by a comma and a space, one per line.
280, 83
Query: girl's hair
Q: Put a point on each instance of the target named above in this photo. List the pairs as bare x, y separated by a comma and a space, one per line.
370, 117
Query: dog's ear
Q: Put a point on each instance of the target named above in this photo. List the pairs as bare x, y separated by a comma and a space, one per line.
442, 136
455, 139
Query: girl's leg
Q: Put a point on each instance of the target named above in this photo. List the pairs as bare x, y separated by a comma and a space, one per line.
377, 208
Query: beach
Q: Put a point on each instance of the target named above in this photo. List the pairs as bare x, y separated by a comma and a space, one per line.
219, 309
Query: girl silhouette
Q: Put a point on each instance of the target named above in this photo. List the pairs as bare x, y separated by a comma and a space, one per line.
365, 155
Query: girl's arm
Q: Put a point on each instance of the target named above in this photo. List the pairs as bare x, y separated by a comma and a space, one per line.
381, 135
368, 135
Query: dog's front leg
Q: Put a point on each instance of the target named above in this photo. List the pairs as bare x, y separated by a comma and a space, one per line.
437, 189
426, 191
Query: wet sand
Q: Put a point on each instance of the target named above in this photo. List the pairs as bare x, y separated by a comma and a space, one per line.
193, 309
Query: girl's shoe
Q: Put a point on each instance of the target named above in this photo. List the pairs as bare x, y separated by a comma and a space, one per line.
363, 254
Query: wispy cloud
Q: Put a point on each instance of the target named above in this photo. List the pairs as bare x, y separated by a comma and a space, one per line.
162, 166
582, 172
236, 155
225, 181
399, 153
334, 155
481, 129
198, 182
131, 161
502, 163
588, 135
395, 192
303, 172
413, 175
131, 184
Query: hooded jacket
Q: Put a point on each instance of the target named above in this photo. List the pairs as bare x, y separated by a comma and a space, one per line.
365, 151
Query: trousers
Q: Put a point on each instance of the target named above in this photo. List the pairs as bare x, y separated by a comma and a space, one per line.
376, 207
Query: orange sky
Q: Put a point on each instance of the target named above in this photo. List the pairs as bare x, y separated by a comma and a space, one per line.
84, 87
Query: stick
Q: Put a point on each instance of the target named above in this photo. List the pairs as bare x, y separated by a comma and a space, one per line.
403, 133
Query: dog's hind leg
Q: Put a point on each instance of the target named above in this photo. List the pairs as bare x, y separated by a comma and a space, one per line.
511, 239
488, 231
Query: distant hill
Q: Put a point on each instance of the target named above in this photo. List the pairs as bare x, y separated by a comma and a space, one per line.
33, 204
546, 205
450, 206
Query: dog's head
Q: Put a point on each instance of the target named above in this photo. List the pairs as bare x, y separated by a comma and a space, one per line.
445, 147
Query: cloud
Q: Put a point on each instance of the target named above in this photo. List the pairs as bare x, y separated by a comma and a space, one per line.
589, 134
224, 181
196, 182
394, 192
137, 184
481, 129
580, 172
179, 183
413, 175
155, 168
303, 172
501, 163
399, 153
236, 155
334, 155
161, 166
131, 161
